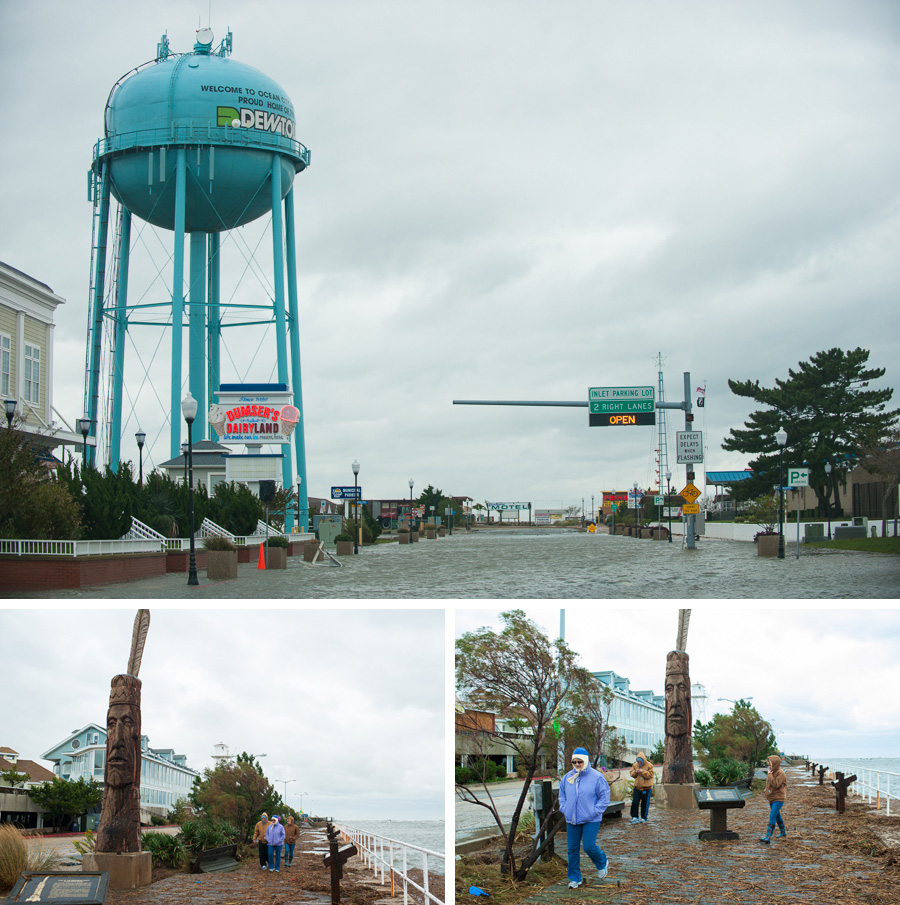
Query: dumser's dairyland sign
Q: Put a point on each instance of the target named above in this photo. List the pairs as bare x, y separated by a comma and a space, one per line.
253, 413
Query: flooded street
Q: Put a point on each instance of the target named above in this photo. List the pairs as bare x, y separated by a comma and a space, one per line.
542, 563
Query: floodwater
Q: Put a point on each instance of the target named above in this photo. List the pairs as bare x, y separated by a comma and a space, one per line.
542, 563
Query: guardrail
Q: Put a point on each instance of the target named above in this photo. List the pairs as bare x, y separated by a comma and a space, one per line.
382, 853
75, 548
882, 786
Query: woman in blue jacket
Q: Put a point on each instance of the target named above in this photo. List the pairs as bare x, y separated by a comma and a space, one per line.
583, 797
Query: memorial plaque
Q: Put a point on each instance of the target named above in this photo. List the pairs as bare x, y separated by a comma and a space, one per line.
61, 888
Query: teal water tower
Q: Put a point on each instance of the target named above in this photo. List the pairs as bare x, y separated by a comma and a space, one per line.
198, 144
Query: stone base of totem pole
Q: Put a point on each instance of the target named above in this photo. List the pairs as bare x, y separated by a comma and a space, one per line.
129, 870
677, 796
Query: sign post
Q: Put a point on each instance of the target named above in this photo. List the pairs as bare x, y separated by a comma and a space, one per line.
798, 477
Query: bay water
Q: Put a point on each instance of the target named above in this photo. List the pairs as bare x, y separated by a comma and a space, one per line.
422, 833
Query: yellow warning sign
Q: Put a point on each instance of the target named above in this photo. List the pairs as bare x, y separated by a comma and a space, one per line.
691, 509
690, 493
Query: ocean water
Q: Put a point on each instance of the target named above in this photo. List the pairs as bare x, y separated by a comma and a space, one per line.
889, 783
423, 833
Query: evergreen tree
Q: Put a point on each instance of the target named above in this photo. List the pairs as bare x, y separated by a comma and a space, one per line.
828, 412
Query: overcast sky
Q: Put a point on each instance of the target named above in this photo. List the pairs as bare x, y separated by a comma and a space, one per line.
825, 678
348, 703
508, 199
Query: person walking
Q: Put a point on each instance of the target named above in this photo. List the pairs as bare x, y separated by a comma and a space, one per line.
583, 797
776, 789
642, 774
291, 835
259, 836
275, 840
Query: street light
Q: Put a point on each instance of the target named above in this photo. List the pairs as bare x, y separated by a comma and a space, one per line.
410, 509
10, 411
140, 436
189, 410
301, 800
828, 496
669, 502
184, 455
636, 513
285, 782
356, 505
84, 428
781, 439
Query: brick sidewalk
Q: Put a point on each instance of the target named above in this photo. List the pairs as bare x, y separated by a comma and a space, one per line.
664, 861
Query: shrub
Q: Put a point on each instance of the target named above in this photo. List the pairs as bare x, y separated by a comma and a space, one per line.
723, 770
86, 845
167, 850
215, 542
703, 777
17, 856
279, 540
343, 537
207, 832
464, 775
156, 820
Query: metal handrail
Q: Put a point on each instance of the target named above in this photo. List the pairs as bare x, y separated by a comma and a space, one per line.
871, 783
75, 548
378, 852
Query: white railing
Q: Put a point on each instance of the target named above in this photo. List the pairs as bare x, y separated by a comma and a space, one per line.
139, 530
880, 786
74, 548
382, 854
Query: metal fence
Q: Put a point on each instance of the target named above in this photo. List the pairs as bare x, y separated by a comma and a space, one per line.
382, 854
880, 786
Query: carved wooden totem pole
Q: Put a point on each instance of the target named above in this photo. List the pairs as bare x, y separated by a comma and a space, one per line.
678, 766
120, 818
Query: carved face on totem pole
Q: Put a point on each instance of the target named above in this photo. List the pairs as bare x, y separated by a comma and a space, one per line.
119, 828
679, 761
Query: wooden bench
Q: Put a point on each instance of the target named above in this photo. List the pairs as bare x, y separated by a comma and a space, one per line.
214, 860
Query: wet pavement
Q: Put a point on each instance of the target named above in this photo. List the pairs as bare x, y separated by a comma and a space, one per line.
826, 857
539, 564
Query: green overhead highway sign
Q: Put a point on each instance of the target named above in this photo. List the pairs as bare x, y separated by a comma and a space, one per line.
621, 400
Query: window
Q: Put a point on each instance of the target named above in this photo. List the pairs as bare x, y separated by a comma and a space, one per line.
32, 374
4, 366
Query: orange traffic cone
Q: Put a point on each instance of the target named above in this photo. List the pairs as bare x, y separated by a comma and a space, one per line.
262, 558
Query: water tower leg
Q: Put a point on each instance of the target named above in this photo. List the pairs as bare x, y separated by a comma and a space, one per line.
299, 433
96, 335
215, 319
197, 332
115, 431
177, 304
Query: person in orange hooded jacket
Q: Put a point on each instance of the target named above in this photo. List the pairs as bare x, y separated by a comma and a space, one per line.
776, 789
642, 774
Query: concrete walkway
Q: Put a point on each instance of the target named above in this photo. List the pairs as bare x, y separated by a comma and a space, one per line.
664, 861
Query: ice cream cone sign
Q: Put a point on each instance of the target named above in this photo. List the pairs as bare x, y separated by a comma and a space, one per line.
290, 415
217, 419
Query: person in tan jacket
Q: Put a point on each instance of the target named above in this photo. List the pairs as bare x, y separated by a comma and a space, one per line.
259, 836
643, 776
776, 792
291, 835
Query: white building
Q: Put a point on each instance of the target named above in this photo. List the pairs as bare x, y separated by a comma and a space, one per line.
639, 716
27, 308
165, 776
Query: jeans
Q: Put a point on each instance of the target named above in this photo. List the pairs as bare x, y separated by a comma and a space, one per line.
289, 852
263, 854
775, 815
275, 855
576, 835
640, 802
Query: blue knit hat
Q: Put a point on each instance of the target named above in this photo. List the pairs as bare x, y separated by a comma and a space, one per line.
582, 753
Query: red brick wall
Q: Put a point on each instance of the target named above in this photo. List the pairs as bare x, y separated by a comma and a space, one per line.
38, 573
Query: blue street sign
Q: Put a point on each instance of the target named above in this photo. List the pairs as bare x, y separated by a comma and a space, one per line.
346, 493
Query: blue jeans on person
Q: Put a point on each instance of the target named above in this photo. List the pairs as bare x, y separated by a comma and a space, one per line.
775, 816
289, 852
275, 853
578, 834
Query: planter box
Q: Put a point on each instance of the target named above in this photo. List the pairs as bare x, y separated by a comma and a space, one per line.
442, 532
40, 573
180, 561
277, 558
309, 552
430, 534
661, 533
344, 548
403, 538
243, 553
221, 564
767, 545
414, 538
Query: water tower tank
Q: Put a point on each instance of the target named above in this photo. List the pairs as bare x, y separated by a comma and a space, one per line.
230, 115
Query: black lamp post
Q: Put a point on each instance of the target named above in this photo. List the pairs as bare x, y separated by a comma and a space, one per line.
356, 504
637, 512
184, 455
781, 439
189, 410
828, 496
140, 436
669, 502
10, 411
410, 509
84, 428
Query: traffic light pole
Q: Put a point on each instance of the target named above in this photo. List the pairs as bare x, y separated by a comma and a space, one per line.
690, 526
